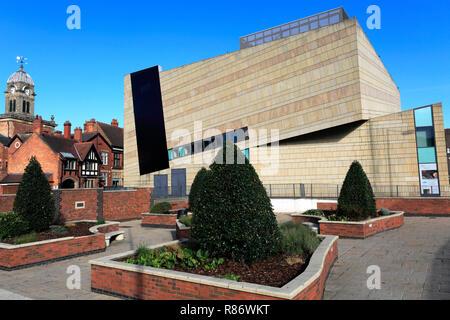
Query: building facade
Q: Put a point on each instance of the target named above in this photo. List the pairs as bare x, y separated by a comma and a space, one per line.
304, 106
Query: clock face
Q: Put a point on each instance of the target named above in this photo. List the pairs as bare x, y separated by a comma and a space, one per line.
13, 90
27, 92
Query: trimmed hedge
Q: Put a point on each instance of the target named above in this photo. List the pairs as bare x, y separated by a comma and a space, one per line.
162, 207
234, 216
356, 200
34, 200
11, 225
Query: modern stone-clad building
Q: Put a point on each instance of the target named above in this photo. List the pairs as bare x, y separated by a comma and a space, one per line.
316, 91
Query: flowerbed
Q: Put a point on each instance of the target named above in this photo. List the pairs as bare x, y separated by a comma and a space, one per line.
112, 275
50, 248
353, 229
183, 231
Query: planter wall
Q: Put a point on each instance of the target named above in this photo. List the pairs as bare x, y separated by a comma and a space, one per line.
13, 257
358, 230
411, 206
183, 231
108, 276
159, 220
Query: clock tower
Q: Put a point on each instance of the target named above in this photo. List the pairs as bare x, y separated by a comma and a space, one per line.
20, 94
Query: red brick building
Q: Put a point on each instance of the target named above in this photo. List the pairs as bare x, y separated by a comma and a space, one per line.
70, 163
108, 139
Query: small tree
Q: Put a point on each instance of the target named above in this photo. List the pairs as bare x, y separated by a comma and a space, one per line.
234, 216
356, 200
34, 201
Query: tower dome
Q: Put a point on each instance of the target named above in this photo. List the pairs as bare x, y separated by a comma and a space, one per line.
20, 76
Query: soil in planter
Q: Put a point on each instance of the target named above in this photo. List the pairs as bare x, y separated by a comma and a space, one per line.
80, 229
274, 272
332, 213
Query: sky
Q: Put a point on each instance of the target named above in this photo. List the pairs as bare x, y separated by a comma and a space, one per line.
79, 73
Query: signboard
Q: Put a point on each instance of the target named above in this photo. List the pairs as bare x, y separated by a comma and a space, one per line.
429, 179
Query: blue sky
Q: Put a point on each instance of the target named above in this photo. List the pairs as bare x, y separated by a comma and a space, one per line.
79, 73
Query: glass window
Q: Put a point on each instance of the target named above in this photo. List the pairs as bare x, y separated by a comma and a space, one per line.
104, 158
247, 154
28, 107
427, 155
423, 117
425, 137
116, 160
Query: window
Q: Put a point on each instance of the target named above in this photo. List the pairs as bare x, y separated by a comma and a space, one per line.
116, 183
14, 106
10, 106
28, 107
71, 165
247, 154
89, 183
425, 137
80, 205
24, 106
104, 158
105, 178
116, 160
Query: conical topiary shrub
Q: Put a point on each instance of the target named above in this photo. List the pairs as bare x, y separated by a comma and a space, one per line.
197, 188
234, 216
34, 201
356, 200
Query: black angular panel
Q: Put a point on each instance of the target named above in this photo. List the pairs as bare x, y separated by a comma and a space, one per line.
149, 121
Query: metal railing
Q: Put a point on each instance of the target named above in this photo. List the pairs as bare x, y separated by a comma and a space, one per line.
295, 27
309, 191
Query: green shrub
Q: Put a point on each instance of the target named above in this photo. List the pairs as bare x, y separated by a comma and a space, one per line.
234, 216
58, 230
100, 221
186, 220
26, 238
11, 225
314, 212
385, 212
34, 201
197, 189
356, 200
162, 207
166, 258
298, 239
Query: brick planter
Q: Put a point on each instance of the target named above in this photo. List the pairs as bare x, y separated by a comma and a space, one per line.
14, 257
109, 276
159, 220
350, 229
183, 231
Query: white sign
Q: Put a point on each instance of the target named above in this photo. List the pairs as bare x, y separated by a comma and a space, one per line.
429, 179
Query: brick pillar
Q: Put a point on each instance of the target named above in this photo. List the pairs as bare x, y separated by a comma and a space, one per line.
57, 198
99, 204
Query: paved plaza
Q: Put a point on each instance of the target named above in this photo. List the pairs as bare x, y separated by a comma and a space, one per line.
414, 261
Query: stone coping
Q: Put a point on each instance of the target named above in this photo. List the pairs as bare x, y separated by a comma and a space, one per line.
18, 246
94, 229
288, 291
182, 226
325, 220
395, 214
160, 214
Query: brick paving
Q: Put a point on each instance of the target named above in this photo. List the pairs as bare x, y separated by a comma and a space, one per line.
49, 281
414, 261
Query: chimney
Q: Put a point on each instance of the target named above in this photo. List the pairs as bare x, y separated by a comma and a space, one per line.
37, 125
78, 134
89, 126
58, 133
67, 130
114, 123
